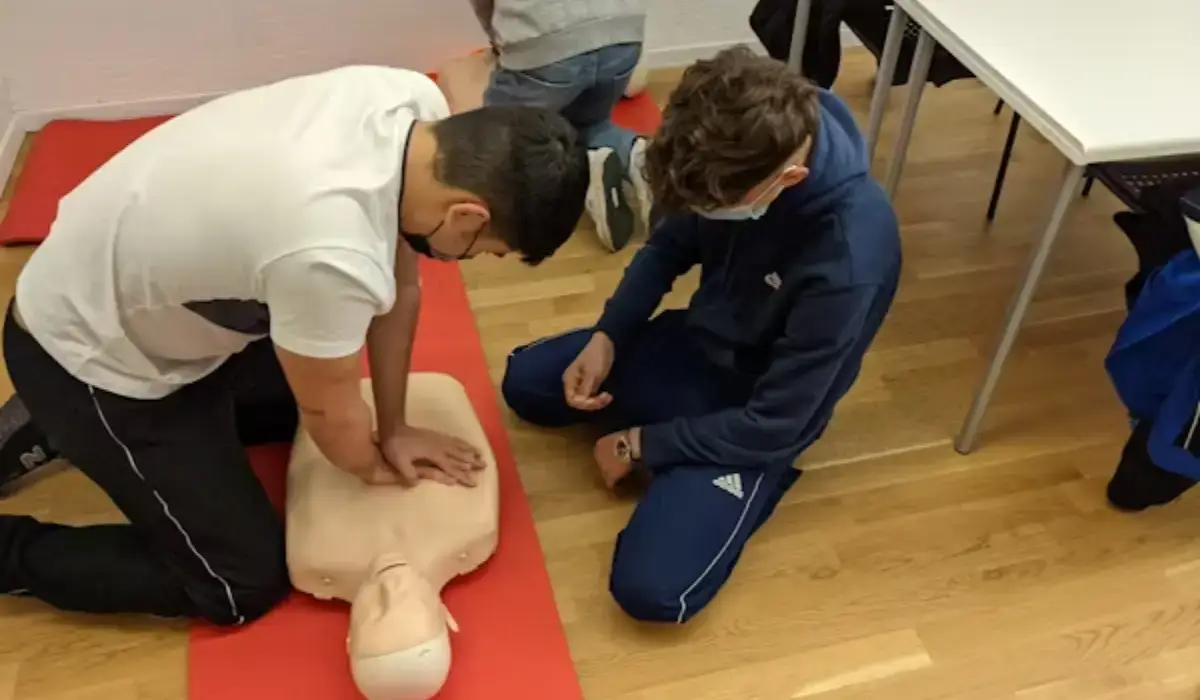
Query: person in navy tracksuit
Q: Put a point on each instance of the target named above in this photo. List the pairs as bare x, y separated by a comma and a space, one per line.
764, 180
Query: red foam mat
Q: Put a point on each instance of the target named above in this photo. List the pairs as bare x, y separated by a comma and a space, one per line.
65, 152
511, 645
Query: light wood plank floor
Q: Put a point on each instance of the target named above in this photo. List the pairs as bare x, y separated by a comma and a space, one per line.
896, 568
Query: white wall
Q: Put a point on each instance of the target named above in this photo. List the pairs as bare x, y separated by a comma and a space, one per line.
681, 31
71, 55
120, 58
74, 53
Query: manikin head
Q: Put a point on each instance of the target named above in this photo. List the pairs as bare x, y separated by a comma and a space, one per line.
736, 132
494, 180
396, 607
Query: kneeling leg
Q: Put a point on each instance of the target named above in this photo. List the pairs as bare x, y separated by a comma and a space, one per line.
687, 534
533, 380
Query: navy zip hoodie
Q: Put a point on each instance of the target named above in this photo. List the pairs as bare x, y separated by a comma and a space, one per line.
791, 301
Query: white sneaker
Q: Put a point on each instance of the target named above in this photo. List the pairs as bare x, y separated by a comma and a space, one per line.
642, 197
606, 201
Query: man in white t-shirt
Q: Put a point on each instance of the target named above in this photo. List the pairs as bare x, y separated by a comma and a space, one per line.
223, 270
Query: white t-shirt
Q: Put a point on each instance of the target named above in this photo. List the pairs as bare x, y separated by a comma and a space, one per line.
271, 211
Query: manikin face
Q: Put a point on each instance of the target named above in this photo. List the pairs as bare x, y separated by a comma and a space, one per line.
399, 643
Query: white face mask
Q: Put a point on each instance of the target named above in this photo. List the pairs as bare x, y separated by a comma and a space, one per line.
754, 210
738, 214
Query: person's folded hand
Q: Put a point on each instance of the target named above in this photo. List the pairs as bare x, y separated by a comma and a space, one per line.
582, 380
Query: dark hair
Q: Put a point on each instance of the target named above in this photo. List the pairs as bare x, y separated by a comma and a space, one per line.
728, 125
528, 164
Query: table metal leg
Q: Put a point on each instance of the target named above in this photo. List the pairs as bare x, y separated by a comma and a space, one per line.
1002, 171
917, 76
799, 35
1072, 177
884, 77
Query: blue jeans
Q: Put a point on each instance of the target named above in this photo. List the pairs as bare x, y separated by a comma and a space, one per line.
687, 533
583, 88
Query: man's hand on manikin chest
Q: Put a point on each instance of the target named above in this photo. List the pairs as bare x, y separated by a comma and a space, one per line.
389, 347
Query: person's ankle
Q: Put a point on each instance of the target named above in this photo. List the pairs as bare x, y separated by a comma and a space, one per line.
24, 448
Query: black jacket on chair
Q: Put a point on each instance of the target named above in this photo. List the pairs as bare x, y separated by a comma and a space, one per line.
772, 22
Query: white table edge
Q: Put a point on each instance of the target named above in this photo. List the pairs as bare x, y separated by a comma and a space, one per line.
1126, 154
1017, 100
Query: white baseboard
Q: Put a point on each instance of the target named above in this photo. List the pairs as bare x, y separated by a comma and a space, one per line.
24, 123
680, 56
849, 38
11, 134
156, 107
10, 146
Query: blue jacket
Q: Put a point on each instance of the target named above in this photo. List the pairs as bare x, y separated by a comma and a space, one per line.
1155, 362
792, 299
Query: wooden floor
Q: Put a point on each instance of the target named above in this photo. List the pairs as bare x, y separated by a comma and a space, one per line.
896, 569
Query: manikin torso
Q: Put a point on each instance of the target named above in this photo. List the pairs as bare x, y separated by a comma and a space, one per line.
389, 550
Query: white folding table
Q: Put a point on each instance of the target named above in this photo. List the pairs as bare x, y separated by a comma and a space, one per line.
1102, 80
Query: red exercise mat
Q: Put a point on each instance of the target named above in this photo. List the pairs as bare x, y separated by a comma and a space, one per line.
511, 644
67, 151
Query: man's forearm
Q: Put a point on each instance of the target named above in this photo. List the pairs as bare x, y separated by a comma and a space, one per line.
344, 438
670, 252
642, 288
389, 348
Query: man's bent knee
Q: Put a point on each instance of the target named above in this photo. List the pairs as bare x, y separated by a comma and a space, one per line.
648, 600
239, 603
257, 603
527, 398
533, 389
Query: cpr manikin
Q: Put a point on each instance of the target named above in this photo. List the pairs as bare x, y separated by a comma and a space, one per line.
390, 550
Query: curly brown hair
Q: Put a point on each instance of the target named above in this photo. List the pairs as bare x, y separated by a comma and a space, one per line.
732, 121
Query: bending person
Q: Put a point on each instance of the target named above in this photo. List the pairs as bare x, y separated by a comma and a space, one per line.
228, 266
577, 58
800, 259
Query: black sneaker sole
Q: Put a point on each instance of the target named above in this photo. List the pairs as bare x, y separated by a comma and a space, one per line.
619, 219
